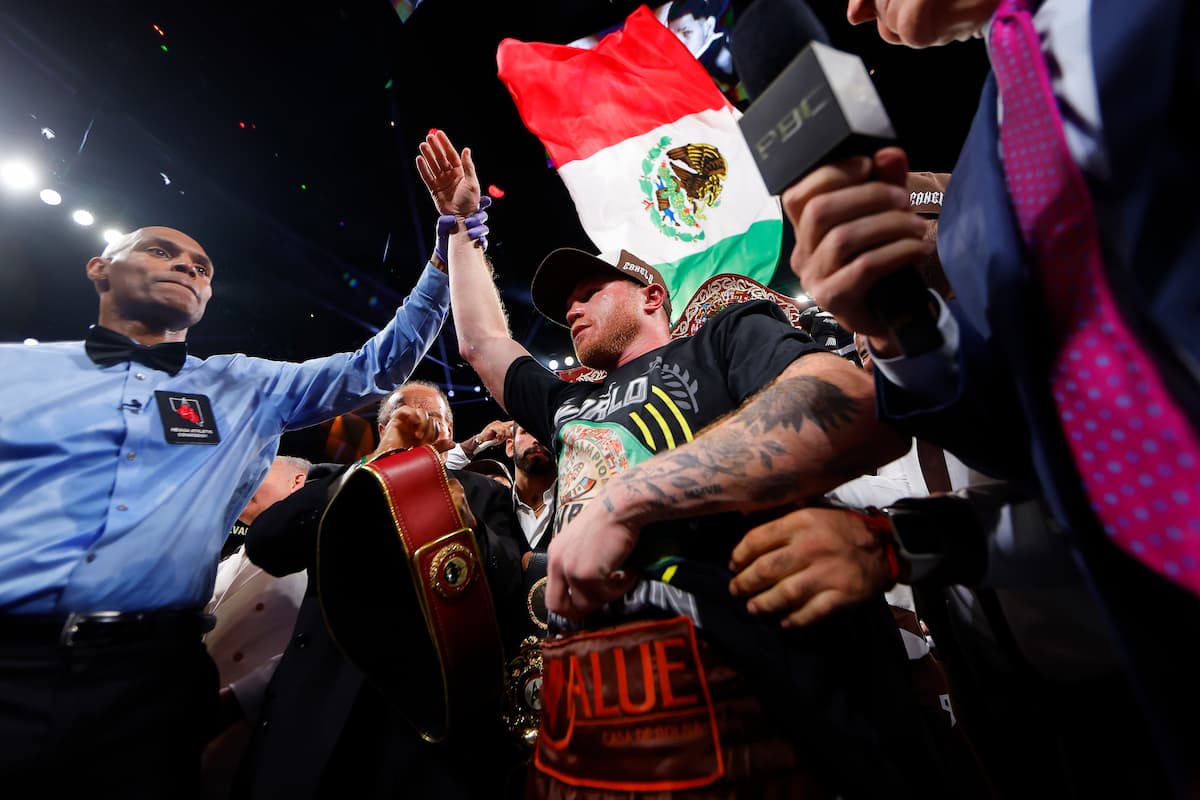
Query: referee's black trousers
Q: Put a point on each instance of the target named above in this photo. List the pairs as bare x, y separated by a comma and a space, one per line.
114, 719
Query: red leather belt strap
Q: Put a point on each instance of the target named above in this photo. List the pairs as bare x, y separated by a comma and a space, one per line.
404, 591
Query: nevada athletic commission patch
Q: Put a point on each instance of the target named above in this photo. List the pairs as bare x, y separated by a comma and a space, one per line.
679, 185
187, 418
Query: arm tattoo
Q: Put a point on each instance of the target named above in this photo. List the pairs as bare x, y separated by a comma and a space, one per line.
697, 492
748, 456
790, 401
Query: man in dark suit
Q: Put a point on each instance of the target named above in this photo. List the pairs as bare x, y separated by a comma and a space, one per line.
325, 730
1121, 77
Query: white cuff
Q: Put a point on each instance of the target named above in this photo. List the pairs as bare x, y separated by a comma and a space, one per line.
931, 375
456, 458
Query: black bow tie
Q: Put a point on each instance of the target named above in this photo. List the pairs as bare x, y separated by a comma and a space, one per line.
107, 347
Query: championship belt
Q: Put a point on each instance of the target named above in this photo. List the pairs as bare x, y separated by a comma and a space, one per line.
522, 713
628, 709
404, 594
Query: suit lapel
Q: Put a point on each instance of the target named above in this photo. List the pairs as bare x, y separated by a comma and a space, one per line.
978, 240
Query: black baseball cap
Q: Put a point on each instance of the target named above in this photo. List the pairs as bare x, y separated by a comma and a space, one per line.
562, 270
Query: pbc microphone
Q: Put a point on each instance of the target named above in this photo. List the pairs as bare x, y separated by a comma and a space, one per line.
814, 105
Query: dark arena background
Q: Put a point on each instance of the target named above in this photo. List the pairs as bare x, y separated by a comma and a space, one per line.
282, 137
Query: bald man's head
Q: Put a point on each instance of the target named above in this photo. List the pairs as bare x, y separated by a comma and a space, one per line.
153, 280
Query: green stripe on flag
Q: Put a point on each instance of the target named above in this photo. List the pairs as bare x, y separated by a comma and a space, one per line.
753, 254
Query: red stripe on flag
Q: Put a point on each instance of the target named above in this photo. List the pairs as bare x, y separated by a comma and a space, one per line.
578, 101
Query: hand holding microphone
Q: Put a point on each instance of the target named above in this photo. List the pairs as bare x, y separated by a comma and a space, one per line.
495, 433
485, 445
856, 242
819, 134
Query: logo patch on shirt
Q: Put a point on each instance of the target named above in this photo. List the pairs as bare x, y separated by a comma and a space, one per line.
187, 418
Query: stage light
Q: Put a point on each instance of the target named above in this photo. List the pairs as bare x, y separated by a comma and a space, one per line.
569, 361
17, 174
83, 217
31, 340
553, 363
450, 393
478, 389
112, 235
50, 197
48, 133
166, 180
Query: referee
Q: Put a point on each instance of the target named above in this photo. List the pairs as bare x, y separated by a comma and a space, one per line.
123, 463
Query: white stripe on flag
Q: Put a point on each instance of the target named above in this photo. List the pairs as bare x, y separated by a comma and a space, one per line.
612, 205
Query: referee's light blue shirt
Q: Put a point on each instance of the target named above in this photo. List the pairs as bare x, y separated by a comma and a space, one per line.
98, 511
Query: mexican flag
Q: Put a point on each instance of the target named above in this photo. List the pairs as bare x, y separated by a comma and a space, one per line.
650, 151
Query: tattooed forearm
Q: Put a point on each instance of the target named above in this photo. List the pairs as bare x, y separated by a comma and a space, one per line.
792, 400
751, 435
697, 492
764, 454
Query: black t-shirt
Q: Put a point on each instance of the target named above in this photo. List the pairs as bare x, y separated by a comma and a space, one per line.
840, 686
656, 402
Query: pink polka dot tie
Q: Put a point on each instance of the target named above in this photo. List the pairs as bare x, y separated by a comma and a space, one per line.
1137, 453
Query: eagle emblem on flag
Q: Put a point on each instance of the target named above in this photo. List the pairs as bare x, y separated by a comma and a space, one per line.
680, 184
